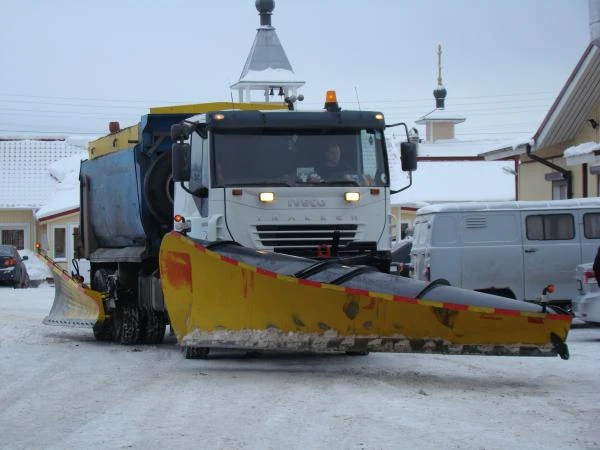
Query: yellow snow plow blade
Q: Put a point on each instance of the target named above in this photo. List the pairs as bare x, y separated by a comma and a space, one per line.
75, 304
217, 300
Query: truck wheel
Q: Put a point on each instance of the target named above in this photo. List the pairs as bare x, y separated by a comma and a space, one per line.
196, 352
153, 331
102, 329
126, 324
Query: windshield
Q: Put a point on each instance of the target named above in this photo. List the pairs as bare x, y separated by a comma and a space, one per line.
292, 158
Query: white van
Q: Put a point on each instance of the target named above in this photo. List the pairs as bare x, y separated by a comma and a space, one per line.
513, 249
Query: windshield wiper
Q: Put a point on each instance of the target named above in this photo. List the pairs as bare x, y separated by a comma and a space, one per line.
260, 183
336, 183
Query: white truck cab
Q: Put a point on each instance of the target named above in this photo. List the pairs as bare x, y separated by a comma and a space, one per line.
265, 179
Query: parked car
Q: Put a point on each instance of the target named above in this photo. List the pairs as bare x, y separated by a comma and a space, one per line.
401, 257
12, 270
586, 305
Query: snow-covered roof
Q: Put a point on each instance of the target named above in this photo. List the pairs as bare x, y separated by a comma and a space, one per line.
582, 154
455, 181
441, 115
574, 103
438, 181
66, 194
455, 148
25, 181
267, 61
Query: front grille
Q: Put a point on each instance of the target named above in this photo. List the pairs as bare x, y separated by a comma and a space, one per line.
303, 239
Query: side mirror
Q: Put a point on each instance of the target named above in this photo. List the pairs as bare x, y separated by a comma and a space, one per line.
408, 156
181, 156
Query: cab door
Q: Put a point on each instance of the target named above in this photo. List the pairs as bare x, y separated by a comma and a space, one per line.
551, 251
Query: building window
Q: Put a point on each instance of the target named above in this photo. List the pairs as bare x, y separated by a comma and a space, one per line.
550, 227
559, 189
60, 241
13, 237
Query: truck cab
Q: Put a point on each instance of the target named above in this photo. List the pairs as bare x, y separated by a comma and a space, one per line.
265, 180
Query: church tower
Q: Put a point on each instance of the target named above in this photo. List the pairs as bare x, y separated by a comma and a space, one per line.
439, 123
267, 69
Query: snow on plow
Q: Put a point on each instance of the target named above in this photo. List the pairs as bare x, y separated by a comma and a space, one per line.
75, 304
222, 295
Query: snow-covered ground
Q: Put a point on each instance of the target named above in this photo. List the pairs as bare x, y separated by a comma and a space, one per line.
60, 389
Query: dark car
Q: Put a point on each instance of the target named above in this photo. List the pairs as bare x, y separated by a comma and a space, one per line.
12, 270
401, 257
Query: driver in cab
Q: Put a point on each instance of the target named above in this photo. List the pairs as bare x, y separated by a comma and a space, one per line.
332, 168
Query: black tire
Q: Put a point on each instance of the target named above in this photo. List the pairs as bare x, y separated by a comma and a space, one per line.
153, 330
102, 329
158, 189
126, 324
196, 352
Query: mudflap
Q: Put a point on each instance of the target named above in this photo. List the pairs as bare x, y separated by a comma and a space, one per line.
75, 305
218, 302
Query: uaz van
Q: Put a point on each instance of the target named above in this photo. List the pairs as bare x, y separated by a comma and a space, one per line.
513, 249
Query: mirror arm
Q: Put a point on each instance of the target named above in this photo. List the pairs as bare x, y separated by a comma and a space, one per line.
405, 187
397, 124
201, 192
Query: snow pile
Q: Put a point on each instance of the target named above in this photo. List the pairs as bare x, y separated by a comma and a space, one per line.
61, 168
36, 269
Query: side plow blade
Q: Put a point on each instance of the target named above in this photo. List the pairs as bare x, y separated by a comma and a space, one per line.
239, 298
74, 304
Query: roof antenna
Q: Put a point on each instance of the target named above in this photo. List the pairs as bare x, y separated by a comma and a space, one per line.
232, 104
357, 100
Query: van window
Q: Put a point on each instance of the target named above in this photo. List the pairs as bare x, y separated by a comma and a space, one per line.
550, 227
421, 232
444, 231
591, 225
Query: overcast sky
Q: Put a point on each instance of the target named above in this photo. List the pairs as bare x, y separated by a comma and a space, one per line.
72, 66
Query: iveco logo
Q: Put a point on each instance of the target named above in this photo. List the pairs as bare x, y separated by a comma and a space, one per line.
310, 203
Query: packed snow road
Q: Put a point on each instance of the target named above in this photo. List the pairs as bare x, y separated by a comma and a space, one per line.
60, 389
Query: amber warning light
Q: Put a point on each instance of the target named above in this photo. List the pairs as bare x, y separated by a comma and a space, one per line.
331, 103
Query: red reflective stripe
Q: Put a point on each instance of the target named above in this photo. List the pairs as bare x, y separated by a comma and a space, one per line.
229, 260
535, 320
309, 283
455, 307
266, 272
398, 298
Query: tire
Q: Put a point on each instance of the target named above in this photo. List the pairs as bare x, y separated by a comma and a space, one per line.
196, 352
153, 330
158, 189
103, 330
126, 324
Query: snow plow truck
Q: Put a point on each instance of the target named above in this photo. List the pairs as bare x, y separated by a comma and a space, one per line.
239, 226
